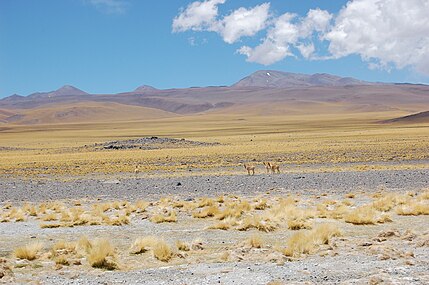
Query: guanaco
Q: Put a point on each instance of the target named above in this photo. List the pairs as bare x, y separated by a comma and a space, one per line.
274, 167
250, 168
136, 170
267, 166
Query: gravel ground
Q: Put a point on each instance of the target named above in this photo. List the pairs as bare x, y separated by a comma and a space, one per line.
359, 269
352, 265
132, 189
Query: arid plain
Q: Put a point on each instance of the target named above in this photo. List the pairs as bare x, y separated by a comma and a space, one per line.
149, 187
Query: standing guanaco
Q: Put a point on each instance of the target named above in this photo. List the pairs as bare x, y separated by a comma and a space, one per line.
250, 168
274, 167
267, 166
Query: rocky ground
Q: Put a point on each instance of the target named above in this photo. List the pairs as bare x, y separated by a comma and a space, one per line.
363, 255
197, 186
150, 143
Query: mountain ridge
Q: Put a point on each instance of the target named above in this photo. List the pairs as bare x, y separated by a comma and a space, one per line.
287, 93
281, 79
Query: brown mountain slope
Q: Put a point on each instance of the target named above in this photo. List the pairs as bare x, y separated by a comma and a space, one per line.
4, 115
286, 93
422, 117
86, 112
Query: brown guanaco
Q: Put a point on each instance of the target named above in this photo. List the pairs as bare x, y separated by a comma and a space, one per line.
267, 166
274, 167
250, 169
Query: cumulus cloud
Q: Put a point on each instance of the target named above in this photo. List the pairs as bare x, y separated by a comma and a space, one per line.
197, 16
110, 6
203, 16
288, 32
384, 33
243, 22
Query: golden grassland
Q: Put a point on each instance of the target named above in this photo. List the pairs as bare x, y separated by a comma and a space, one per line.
259, 228
59, 149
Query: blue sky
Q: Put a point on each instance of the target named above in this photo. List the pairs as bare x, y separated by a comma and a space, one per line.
110, 46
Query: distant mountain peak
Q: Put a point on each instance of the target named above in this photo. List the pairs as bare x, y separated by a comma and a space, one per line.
145, 88
280, 79
68, 90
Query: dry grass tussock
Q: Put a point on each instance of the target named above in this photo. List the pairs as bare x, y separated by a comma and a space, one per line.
170, 217
160, 249
209, 211
263, 224
183, 246
255, 241
366, 215
225, 224
338, 211
101, 254
143, 244
389, 201
306, 242
413, 208
29, 252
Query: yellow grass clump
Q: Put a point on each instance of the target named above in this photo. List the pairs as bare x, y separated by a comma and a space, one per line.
364, 215
229, 212
209, 211
143, 244
257, 222
61, 260
413, 208
50, 225
182, 246
119, 221
305, 242
160, 218
19, 216
83, 245
102, 255
65, 246
298, 224
162, 251
28, 252
389, 201
205, 202
49, 217
261, 204
255, 241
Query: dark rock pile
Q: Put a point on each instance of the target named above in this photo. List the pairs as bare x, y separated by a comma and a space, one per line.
151, 143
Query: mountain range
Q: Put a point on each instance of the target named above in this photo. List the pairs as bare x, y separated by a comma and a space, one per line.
265, 92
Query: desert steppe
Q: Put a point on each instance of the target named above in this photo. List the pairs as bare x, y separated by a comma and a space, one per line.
133, 194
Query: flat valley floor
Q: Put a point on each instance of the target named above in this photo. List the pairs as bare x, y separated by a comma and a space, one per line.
350, 205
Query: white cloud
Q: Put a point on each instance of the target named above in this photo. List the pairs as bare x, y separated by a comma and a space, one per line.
202, 16
266, 53
110, 6
385, 31
316, 20
288, 32
197, 16
243, 22
307, 50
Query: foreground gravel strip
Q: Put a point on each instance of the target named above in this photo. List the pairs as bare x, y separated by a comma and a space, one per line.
16, 190
343, 269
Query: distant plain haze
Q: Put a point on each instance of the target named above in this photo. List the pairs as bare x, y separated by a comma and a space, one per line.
112, 46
